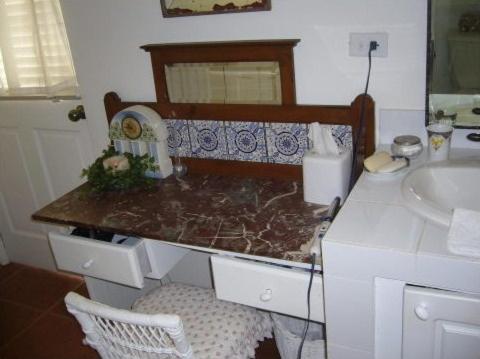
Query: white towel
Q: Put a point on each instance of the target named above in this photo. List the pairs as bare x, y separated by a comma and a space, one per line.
464, 233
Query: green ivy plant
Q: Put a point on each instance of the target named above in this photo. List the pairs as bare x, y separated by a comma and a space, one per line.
102, 180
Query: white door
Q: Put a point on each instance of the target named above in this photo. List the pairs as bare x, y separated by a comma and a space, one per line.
440, 324
42, 154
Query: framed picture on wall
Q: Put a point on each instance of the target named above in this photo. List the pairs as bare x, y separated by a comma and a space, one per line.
173, 8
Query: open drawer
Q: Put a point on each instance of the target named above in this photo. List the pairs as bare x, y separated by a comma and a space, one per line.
270, 287
125, 263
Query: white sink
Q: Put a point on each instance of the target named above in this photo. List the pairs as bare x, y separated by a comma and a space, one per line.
435, 189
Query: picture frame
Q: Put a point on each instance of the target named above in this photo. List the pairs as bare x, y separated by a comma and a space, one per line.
176, 8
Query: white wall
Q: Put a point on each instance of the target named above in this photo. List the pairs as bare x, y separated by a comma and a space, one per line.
105, 37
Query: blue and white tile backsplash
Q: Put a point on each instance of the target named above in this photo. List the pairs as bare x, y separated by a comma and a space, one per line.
207, 139
178, 138
284, 143
342, 135
246, 141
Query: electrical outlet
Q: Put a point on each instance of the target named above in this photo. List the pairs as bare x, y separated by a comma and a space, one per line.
360, 44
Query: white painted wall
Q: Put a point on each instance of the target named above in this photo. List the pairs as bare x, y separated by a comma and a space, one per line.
105, 37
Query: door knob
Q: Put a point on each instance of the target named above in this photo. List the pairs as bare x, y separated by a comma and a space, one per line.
77, 114
421, 311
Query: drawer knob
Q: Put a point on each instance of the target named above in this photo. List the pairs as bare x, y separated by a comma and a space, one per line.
421, 311
87, 264
266, 295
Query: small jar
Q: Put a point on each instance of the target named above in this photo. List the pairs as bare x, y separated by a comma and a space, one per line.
407, 146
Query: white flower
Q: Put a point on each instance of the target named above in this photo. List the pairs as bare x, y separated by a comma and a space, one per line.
116, 163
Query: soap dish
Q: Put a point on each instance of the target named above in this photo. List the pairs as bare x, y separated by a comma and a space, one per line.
389, 175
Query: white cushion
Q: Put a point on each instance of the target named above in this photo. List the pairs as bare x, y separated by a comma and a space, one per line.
214, 328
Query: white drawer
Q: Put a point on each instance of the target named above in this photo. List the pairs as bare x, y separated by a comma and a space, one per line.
269, 287
125, 263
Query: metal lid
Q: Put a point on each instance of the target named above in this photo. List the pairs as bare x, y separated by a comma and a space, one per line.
406, 140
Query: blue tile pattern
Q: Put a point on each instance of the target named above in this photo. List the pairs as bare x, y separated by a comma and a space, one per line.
342, 135
286, 142
178, 138
208, 139
246, 141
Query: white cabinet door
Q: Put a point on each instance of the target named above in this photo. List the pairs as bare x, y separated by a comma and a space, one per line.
42, 154
440, 324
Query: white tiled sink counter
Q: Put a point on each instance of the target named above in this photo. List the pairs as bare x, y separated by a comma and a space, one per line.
374, 249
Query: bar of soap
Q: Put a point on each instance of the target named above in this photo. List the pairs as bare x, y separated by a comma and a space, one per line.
393, 166
376, 161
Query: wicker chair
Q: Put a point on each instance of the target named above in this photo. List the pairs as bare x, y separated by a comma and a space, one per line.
172, 321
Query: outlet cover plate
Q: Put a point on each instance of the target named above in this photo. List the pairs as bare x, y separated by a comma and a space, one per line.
359, 44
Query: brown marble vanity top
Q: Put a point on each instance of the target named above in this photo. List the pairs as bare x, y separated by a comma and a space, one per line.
252, 216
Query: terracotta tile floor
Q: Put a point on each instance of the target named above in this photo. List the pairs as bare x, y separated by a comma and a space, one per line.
34, 323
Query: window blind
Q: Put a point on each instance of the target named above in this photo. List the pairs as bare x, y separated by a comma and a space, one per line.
34, 52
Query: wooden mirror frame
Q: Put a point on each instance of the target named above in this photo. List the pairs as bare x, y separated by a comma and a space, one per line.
280, 51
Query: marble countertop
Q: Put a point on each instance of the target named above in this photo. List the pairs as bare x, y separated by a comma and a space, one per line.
251, 216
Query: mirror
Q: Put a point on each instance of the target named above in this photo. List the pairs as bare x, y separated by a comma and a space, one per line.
224, 82
453, 63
